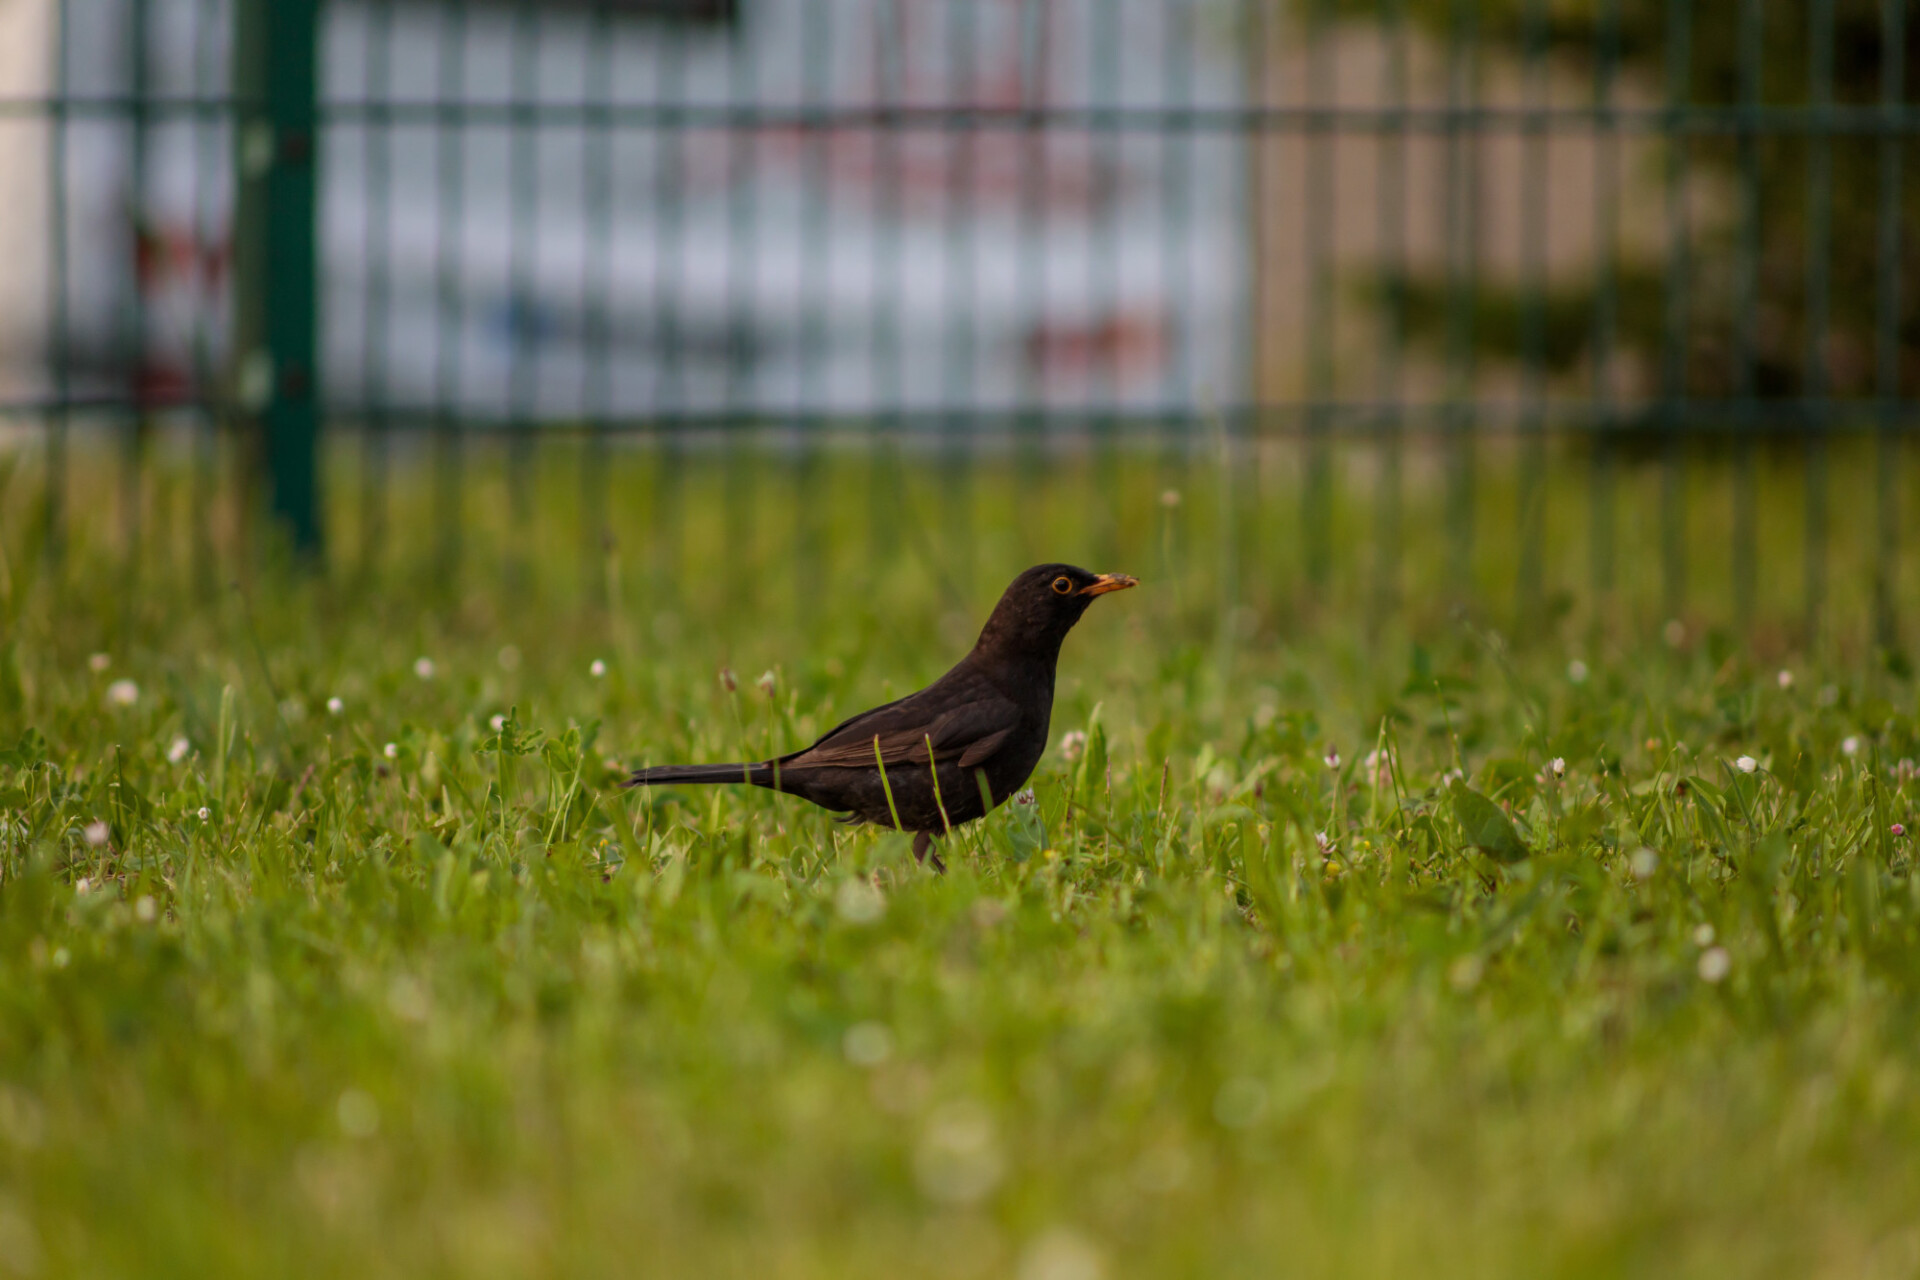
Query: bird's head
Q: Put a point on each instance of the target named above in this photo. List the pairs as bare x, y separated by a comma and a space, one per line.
1042, 604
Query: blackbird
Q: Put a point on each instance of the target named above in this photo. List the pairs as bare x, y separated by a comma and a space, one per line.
952, 751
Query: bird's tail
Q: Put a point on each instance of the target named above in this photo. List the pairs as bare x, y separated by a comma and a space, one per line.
666, 775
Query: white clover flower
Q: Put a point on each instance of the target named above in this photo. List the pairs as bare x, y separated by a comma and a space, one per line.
727, 680
1025, 797
99, 662
858, 901
597, 669
1062, 1253
391, 751
1559, 766
1785, 678
766, 682
1239, 1102
358, 1114
204, 813
497, 723
1072, 744
1643, 864
1850, 745
178, 750
1746, 764
335, 706
958, 1159
1464, 974
144, 909
123, 693
409, 999
1577, 671
867, 1044
1715, 964
1332, 757
82, 885
1703, 935
97, 833
423, 667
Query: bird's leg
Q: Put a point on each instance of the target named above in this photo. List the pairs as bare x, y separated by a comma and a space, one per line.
923, 851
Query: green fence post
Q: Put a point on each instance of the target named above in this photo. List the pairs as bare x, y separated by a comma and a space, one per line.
275, 300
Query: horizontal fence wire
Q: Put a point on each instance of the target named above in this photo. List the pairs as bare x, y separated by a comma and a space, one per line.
1278, 418
1690, 120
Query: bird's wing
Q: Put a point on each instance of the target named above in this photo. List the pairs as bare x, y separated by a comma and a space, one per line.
966, 718
979, 750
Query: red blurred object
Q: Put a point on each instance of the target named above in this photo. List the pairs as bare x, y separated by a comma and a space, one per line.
1126, 345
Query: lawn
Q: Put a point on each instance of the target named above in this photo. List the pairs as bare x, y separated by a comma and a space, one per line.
1444, 946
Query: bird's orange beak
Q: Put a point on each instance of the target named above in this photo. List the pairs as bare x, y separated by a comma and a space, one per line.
1108, 582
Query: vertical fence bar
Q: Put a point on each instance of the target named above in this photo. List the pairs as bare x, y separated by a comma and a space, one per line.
1673, 375
144, 256
276, 250
814, 276
1244, 447
60, 345
667, 350
962, 216
1393, 316
375, 444
1819, 251
450, 314
1887, 350
1462, 237
1606, 253
1240, 415
208, 27
523, 295
1105, 267
1533, 264
742, 459
1316, 506
1180, 395
1032, 284
1240, 424
596, 261
1746, 289
885, 511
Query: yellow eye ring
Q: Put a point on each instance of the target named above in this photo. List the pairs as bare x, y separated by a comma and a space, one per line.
1063, 585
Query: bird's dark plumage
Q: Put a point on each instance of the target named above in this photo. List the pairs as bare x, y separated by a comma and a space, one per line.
955, 749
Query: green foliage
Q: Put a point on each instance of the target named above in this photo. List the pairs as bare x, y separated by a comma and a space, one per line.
1487, 828
1796, 211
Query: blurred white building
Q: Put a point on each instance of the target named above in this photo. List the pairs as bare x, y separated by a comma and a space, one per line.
26, 74
678, 207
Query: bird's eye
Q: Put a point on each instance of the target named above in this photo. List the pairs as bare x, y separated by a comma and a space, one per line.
1062, 585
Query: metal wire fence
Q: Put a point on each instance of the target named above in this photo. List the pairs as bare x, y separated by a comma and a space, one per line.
1389, 251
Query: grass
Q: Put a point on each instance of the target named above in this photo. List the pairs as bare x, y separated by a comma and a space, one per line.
391, 991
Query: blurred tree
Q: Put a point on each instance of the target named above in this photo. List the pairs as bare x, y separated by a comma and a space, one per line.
1811, 217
